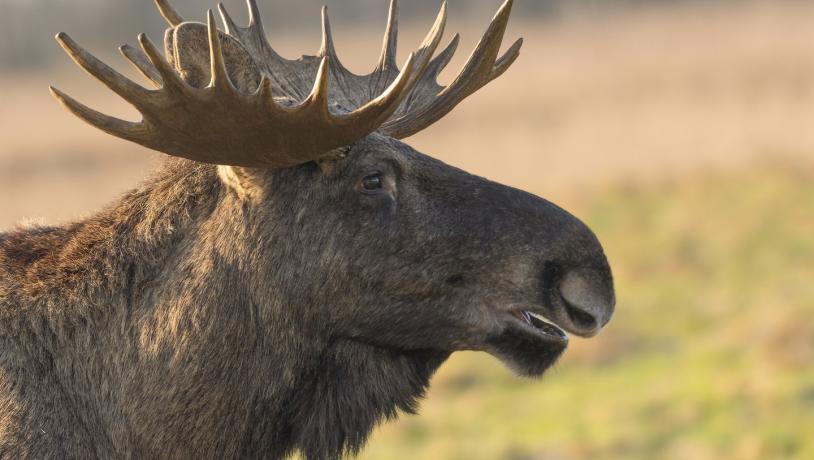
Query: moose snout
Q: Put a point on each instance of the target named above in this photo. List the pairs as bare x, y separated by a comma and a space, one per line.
587, 301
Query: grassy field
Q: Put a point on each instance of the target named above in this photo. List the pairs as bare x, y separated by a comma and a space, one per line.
683, 136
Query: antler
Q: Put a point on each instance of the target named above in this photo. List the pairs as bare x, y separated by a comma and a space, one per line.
232, 100
431, 101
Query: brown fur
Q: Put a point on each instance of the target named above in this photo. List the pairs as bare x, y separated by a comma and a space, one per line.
251, 314
261, 308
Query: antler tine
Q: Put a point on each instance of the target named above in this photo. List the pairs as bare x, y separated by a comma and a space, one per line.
390, 46
388, 102
168, 13
489, 46
327, 48
482, 61
255, 20
318, 99
256, 27
432, 40
506, 61
220, 77
253, 35
118, 83
479, 70
141, 63
134, 132
228, 22
169, 77
440, 62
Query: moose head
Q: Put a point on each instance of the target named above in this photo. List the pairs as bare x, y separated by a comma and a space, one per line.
335, 234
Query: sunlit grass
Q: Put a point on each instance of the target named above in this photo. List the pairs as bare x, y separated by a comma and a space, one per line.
709, 356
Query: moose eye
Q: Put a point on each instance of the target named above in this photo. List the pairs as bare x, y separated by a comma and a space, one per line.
373, 183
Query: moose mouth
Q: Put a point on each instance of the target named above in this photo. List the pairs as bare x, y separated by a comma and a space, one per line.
529, 343
541, 325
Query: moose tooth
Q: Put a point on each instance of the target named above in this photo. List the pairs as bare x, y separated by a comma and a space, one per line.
542, 318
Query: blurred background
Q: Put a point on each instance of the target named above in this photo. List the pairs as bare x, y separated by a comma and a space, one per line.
681, 131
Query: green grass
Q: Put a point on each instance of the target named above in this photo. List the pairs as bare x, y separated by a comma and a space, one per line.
710, 355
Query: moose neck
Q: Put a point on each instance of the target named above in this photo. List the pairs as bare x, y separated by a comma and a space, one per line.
338, 400
198, 363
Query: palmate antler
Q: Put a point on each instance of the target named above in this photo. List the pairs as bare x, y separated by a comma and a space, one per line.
230, 99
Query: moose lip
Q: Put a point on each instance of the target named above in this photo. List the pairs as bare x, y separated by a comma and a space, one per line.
540, 325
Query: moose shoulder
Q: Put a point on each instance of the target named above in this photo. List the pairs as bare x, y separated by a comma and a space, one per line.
294, 275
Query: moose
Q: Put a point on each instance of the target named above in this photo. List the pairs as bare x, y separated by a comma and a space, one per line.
293, 274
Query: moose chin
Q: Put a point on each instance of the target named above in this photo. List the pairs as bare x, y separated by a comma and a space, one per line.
293, 274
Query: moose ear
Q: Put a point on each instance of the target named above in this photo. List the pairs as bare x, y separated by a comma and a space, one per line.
247, 183
188, 50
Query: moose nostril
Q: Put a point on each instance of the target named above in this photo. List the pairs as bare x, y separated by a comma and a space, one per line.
580, 319
588, 302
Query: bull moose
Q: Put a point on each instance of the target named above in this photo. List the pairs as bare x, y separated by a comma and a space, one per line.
294, 274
